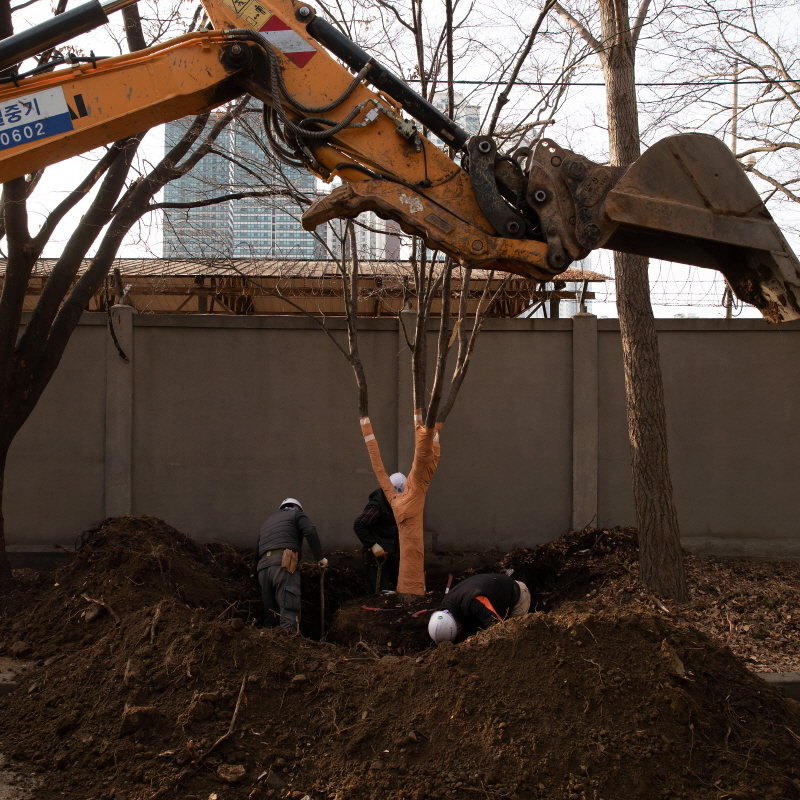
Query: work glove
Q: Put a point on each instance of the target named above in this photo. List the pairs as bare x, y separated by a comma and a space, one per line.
323, 562
378, 550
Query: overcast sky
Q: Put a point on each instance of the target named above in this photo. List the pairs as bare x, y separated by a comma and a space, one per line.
677, 290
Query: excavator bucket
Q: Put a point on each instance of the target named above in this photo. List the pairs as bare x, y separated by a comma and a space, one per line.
687, 199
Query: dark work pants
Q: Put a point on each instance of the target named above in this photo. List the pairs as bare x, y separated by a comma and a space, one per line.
389, 570
280, 591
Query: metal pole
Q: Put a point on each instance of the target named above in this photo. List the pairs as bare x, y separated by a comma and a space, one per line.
322, 604
735, 106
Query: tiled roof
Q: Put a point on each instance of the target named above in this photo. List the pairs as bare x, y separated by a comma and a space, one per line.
285, 268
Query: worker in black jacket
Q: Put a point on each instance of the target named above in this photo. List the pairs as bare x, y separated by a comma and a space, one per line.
380, 541
275, 560
477, 603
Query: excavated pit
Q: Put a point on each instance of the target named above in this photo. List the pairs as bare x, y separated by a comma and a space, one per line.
573, 567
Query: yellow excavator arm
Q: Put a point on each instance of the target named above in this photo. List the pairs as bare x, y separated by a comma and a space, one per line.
531, 212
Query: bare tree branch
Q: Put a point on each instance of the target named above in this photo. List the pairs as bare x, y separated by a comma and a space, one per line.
504, 95
641, 16
583, 32
212, 201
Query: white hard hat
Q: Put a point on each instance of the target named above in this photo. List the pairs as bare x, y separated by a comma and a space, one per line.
398, 481
442, 626
290, 501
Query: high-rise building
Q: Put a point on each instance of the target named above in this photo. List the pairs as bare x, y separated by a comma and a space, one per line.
252, 227
467, 115
376, 239
203, 232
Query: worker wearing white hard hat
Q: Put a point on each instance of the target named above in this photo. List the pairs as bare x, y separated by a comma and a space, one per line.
477, 603
380, 541
276, 558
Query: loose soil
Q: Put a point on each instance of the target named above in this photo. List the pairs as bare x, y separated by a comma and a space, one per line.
160, 685
753, 606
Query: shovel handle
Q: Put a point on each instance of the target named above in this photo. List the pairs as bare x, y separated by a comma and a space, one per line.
322, 603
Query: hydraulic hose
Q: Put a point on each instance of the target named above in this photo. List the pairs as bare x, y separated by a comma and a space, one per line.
380, 77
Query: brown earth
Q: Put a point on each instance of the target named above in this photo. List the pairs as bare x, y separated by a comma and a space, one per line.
589, 699
753, 606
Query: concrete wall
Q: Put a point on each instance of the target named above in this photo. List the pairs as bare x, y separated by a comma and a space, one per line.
214, 420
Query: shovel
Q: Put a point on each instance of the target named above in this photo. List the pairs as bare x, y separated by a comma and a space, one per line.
380, 560
322, 604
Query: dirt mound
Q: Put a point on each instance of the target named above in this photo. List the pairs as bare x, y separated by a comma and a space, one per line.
124, 565
582, 703
750, 605
573, 565
182, 698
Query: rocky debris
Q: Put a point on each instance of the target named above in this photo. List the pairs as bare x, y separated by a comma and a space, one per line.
93, 612
201, 707
136, 718
20, 649
274, 781
231, 773
68, 723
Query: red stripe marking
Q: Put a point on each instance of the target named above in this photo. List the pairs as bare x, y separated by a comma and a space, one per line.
483, 600
275, 23
301, 59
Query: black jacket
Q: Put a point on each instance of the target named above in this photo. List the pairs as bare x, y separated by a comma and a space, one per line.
376, 524
286, 529
500, 590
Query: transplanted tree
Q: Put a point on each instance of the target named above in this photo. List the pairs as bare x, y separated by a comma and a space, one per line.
430, 48
121, 198
432, 279
661, 557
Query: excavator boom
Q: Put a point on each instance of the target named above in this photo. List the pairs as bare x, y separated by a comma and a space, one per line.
531, 213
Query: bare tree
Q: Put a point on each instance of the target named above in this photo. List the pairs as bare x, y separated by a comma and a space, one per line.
429, 50
432, 278
661, 559
28, 361
435, 286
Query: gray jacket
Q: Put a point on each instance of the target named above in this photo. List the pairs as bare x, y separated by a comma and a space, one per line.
285, 529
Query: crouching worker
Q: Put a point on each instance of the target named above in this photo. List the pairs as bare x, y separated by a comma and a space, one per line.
380, 540
477, 603
276, 558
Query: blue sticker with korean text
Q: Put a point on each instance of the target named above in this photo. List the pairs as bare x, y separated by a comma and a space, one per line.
33, 116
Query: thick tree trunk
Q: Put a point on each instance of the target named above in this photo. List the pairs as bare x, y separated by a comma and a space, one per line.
408, 507
660, 556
